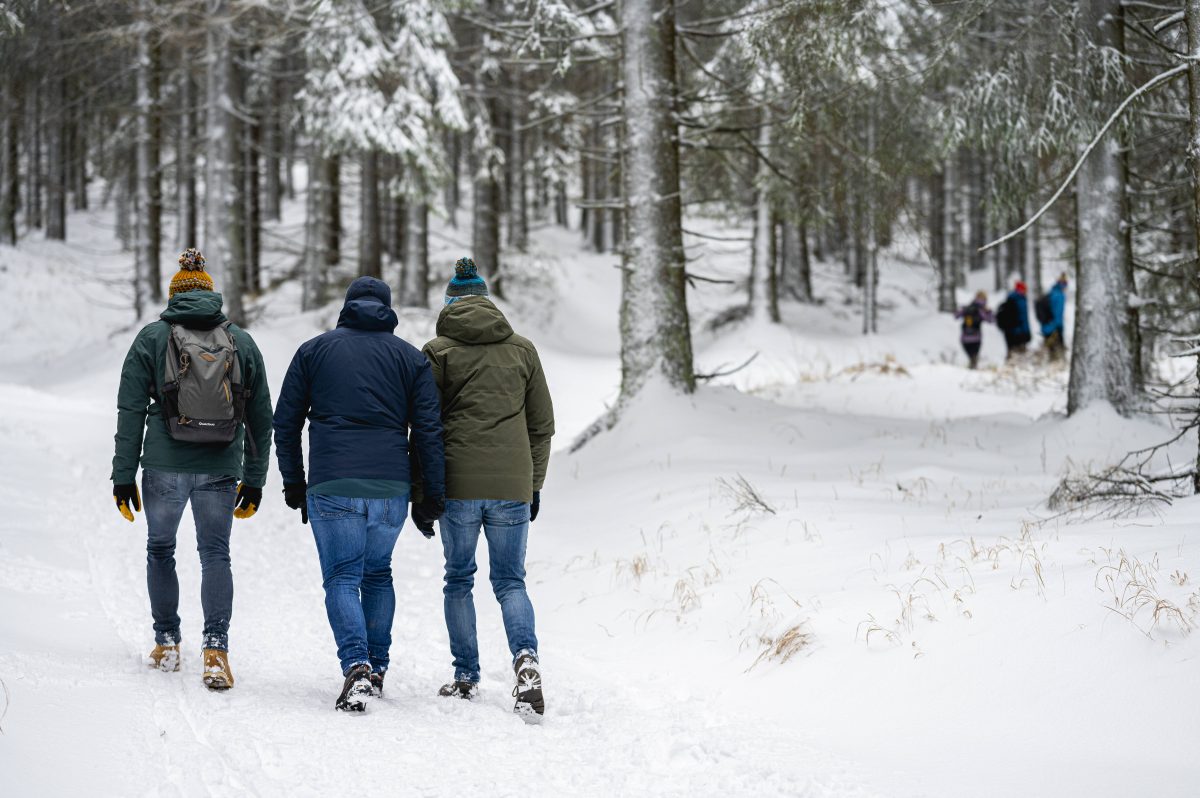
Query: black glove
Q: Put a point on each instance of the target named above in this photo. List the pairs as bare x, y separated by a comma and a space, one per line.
295, 496
535, 505
426, 512
128, 499
248, 501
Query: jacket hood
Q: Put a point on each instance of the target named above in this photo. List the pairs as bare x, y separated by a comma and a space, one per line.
367, 313
473, 320
199, 310
365, 287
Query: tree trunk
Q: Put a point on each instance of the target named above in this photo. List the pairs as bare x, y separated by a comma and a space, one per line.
485, 228
871, 259
764, 294
126, 180
148, 280
222, 228
9, 167
79, 170
797, 263
332, 196
414, 278
370, 262
185, 159
34, 177
316, 216
656, 340
939, 235
976, 179
1105, 362
453, 196
1192, 17
272, 145
56, 161
252, 196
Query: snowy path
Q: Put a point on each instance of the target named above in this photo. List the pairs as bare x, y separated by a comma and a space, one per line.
80, 693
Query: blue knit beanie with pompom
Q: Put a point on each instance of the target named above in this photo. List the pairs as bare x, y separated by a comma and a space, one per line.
465, 282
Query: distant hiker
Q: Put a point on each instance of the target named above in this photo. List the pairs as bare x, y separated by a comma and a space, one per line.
1050, 310
973, 316
197, 385
499, 419
1012, 317
361, 389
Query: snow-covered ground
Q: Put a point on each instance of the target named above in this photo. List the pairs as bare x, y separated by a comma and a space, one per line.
832, 574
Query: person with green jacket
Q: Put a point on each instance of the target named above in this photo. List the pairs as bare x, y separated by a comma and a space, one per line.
498, 420
194, 411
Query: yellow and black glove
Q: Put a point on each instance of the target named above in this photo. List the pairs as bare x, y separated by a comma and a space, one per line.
248, 499
128, 499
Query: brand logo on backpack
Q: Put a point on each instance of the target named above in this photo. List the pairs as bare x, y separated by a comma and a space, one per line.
203, 399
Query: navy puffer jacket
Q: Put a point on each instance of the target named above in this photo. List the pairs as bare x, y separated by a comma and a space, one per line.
361, 389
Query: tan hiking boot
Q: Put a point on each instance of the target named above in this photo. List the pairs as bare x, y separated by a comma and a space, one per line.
217, 675
165, 658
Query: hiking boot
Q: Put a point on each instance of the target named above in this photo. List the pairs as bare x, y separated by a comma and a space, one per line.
356, 691
165, 658
377, 684
528, 690
217, 675
459, 689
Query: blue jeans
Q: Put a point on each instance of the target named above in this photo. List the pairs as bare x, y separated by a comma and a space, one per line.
355, 538
506, 526
164, 495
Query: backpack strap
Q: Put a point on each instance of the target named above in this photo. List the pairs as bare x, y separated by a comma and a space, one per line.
236, 377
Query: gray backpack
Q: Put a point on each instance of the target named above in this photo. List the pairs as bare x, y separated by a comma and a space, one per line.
203, 398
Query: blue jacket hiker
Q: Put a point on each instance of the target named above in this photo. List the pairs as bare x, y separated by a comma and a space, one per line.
1012, 317
973, 316
1051, 312
362, 390
194, 411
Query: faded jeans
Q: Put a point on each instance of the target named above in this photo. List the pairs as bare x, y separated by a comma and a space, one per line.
506, 526
355, 538
164, 495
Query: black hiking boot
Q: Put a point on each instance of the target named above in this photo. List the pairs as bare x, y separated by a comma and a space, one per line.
528, 691
458, 689
356, 691
377, 684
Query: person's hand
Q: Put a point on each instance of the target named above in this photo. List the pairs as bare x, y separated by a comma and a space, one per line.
426, 512
295, 496
128, 500
248, 500
535, 505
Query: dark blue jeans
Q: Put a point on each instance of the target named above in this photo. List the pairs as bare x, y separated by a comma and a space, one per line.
506, 526
355, 538
164, 495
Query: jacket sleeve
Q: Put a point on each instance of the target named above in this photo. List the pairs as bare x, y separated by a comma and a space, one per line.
1058, 303
539, 420
258, 419
425, 422
133, 397
290, 413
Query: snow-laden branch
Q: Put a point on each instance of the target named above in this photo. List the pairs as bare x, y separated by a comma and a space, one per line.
1158, 80
1174, 19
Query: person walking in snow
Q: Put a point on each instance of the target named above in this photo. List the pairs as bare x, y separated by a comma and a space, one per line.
499, 419
362, 390
1051, 312
1012, 317
973, 316
194, 411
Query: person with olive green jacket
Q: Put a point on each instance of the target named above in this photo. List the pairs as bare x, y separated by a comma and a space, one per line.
194, 411
498, 420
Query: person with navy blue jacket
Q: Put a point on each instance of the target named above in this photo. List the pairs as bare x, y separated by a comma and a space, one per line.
364, 392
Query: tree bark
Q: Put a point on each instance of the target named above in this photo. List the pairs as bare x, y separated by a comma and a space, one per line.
871, 255
332, 196
938, 239
148, 223
222, 228
1106, 360
10, 184
79, 150
656, 338
369, 252
272, 145
414, 278
1192, 18
485, 227
56, 161
518, 189
252, 197
316, 216
34, 177
185, 159
764, 294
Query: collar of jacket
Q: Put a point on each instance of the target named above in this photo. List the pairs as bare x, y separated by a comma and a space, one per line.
368, 313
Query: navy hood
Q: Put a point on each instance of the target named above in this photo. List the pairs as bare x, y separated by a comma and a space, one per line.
367, 307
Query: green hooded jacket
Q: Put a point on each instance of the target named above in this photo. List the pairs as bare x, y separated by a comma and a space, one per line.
139, 409
496, 408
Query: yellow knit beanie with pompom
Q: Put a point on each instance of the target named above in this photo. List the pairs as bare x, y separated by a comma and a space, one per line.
191, 275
